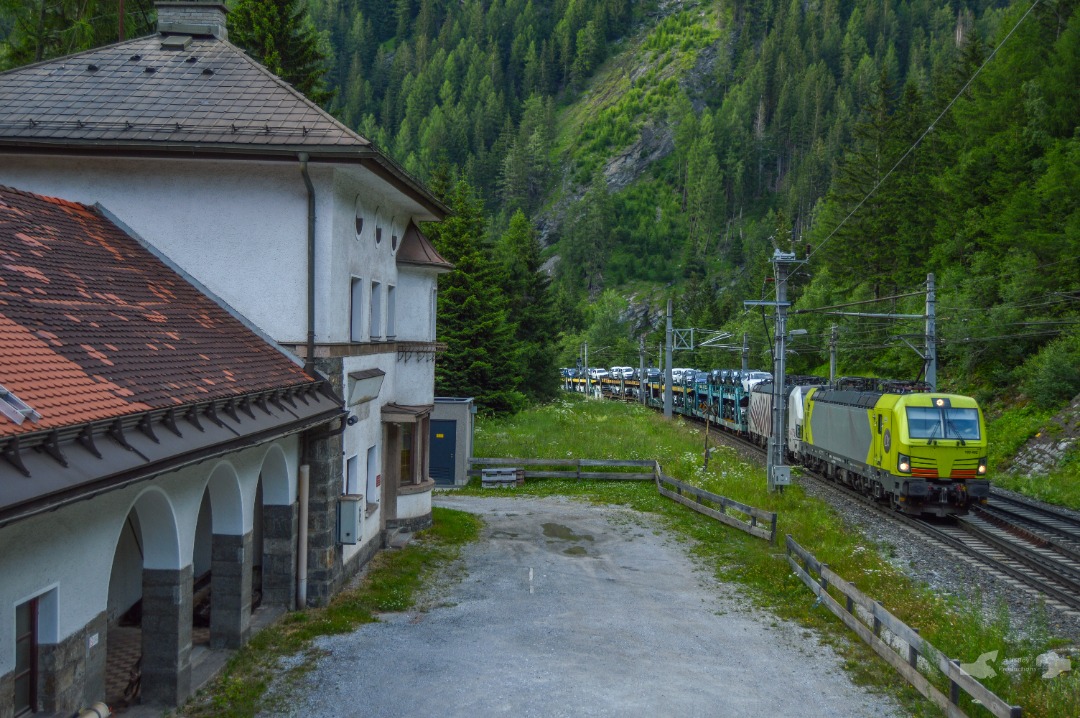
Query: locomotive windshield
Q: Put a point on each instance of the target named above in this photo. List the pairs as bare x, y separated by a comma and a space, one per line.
928, 422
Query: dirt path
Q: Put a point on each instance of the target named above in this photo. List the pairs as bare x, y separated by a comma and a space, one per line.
569, 609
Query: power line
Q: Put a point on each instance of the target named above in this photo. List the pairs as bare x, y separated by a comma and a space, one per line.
855, 304
924, 134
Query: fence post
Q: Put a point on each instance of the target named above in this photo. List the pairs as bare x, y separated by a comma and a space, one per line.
912, 654
877, 621
850, 604
954, 687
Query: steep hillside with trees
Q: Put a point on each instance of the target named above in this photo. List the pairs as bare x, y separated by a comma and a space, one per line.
665, 149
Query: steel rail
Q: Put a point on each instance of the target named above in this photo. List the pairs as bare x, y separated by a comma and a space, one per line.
1031, 530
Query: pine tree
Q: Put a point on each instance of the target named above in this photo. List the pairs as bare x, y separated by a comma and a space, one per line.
531, 307
480, 360
36, 30
280, 36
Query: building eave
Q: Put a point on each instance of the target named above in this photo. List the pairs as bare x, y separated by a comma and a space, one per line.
368, 157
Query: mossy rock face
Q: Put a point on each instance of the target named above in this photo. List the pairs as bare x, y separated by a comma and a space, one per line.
1051, 446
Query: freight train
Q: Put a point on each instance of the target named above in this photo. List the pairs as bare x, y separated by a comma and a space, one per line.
922, 452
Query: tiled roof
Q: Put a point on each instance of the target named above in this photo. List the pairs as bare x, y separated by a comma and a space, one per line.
135, 92
93, 326
416, 249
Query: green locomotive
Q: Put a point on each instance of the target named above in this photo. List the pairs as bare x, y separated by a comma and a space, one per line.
925, 453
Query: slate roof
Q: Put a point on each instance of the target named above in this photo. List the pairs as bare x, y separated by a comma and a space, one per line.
417, 250
207, 99
136, 92
93, 326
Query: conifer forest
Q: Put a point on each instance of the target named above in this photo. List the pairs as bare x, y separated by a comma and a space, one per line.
603, 156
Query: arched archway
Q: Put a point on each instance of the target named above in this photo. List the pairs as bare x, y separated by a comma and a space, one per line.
275, 549
223, 592
148, 643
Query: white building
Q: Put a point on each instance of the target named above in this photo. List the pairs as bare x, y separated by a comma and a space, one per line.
150, 445
299, 226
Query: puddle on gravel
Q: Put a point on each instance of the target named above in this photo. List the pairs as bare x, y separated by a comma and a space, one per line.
503, 534
565, 533
576, 551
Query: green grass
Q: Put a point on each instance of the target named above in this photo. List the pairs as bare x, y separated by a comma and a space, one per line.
1009, 429
574, 427
392, 583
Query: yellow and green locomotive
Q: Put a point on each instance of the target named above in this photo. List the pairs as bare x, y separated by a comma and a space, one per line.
925, 453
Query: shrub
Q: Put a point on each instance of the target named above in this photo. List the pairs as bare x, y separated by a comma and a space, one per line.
1052, 377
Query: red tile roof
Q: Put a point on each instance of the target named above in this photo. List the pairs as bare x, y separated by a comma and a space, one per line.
93, 326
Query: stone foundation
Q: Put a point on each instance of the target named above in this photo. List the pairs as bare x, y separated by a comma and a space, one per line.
7, 691
72, 674
358, 560
417, 523
280, 526
166, 635
230, 590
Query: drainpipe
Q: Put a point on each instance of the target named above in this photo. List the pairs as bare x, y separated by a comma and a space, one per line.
302, 548
309, 362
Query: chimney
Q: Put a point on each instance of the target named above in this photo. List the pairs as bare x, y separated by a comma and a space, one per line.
193, 17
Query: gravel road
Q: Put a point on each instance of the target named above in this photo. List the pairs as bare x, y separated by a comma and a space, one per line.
568, 609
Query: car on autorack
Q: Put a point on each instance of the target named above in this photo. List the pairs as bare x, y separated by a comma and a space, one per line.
622, 372
597, 373
751, 379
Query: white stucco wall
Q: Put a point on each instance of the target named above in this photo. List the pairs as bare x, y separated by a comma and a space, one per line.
240, 228
414, 305
71, 549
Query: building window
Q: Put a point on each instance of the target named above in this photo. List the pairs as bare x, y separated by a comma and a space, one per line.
26, 657
356, 311
376, 310
390, 311
359, 217
378, 226
408, 437
352, 475
374, 479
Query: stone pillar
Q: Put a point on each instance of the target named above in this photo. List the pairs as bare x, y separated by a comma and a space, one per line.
230, 590
325, 569
73, 670
166, 635
279, 555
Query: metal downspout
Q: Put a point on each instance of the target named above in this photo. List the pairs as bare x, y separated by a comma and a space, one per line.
309, 366
309, 359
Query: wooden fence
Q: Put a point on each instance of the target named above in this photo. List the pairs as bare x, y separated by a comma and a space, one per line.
607, 474
871, 634
753, 514
704, 502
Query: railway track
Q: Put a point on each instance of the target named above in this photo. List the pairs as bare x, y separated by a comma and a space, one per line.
1035, 548
1041, 554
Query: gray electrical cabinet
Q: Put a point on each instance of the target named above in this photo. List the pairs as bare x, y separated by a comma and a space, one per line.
350, 514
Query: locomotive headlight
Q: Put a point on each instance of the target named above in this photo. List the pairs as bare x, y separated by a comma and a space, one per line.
982, 466
903, 464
